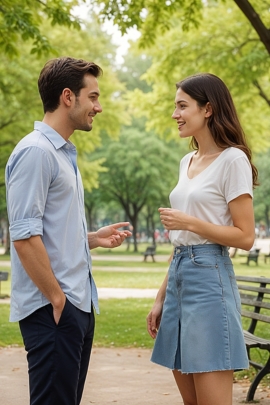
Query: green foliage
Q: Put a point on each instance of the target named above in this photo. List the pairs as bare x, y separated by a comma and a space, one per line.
223, 45
19, 94
147, 16
139, 165
20, 101
22, 20
135, 65
262, 192
155, 17
141, 170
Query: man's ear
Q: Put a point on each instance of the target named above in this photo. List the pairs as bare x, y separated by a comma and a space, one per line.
67, 96
208, 110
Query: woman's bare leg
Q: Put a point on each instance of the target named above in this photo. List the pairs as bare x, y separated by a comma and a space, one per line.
214, 388
185, 384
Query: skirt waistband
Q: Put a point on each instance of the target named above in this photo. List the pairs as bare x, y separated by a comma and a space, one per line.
202, 249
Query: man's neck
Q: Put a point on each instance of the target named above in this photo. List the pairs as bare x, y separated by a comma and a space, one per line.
58, 123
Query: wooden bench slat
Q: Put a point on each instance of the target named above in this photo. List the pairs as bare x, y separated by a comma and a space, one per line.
256, 297
253, 315
255, 341
255, 303
253, 288
249, 279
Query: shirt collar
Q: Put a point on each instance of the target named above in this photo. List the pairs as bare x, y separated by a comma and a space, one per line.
54, 137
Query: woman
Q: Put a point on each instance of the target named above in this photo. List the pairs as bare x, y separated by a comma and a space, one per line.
196, 316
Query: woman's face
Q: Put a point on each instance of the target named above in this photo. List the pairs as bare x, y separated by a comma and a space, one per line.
191, 119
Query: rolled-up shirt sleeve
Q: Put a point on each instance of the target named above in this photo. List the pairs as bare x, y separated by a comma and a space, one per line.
28, 178
25, 228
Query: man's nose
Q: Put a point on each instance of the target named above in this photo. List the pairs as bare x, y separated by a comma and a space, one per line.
98, 108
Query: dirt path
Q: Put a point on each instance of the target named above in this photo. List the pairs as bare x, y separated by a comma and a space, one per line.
116, 376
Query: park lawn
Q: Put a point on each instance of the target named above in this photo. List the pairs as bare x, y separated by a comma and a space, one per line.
161, 249
5, 285
121, 323
242, 269
9, 331
122, 279
130, 264
123, 274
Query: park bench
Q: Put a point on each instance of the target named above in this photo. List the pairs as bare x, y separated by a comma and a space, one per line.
266, 257
150, 251
3, 277
253, 256
255, 305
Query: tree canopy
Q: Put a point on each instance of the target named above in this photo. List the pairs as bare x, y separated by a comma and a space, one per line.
22, 104
141, 170
223, 45
22, 20
262, 193
152, 17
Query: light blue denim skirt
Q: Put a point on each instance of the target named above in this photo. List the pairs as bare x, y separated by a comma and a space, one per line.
200, 329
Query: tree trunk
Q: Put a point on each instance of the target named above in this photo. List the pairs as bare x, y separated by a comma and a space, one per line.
7, 244
134, 224
266, 216
256, 22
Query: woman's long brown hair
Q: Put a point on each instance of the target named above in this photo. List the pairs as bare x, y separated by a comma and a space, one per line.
224, 123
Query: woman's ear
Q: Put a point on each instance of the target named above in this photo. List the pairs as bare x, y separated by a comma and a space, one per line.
208, 110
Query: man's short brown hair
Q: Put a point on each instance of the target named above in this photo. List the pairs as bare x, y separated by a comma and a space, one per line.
61, 73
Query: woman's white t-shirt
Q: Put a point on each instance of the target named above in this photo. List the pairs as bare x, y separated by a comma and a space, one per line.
206, 196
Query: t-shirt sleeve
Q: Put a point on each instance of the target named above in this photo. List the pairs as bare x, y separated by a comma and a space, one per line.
28, 178
238, 179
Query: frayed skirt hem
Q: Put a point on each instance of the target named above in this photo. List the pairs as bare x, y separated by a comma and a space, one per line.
201, 371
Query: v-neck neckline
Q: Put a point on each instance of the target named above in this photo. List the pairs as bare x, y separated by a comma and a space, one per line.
191, 157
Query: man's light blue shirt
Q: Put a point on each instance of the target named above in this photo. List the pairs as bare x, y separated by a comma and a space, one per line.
45, 197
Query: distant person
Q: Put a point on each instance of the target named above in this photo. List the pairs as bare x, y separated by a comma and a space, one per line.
53, 292
196, 316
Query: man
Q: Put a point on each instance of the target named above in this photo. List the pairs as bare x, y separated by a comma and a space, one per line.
53, 291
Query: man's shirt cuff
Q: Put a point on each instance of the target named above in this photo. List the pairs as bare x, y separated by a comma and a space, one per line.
25, 228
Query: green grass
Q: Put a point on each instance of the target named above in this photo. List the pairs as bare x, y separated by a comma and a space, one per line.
241, 268
4, 257
123, 274
122, 279
130, 264
122, 323
161, 249
9, 331
5, 285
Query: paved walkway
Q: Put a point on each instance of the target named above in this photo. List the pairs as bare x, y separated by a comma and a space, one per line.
116, 376
119, 376
104, 293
